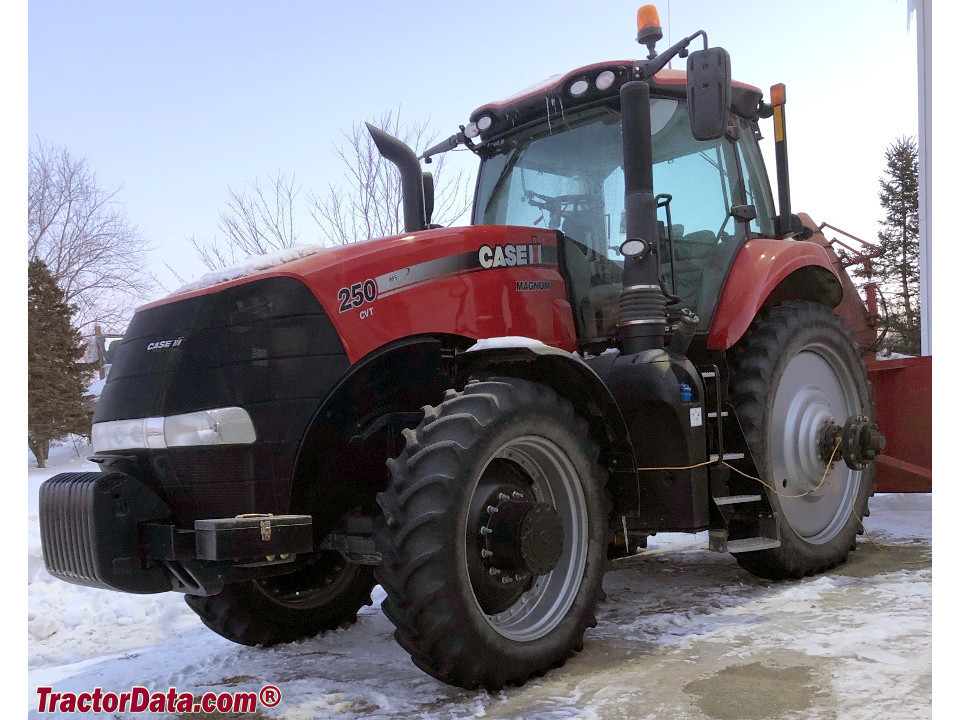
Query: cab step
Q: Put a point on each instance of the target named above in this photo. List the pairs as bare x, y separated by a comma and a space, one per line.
752, 544
719, 541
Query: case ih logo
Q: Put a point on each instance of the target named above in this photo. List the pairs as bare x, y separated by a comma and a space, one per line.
164, 344
510, 255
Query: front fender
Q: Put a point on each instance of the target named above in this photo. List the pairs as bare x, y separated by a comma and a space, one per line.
572, 378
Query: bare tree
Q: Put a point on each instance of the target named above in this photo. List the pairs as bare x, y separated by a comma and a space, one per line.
82, 234
257, 220
369, 203
261, 217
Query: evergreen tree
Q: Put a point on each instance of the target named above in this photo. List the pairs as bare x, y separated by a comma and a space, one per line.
898, 270
57, 380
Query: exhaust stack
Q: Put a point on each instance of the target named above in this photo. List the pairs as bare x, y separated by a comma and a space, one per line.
411, 178
643, 306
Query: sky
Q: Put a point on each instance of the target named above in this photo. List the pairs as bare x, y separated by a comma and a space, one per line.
176, 102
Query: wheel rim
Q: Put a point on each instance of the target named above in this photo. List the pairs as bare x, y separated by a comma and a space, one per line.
316, 584
816, 388
541, 472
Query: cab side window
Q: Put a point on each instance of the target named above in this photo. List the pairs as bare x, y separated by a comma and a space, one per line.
702, 179
755, 179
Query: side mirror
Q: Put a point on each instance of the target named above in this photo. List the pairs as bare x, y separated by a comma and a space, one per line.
708, 92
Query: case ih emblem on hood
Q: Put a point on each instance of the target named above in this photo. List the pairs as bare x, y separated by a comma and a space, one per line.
164, 344
510, 255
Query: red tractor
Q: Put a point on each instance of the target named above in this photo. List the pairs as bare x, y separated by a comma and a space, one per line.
628, 339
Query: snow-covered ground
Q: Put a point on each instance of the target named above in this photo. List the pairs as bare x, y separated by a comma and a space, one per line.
684, 633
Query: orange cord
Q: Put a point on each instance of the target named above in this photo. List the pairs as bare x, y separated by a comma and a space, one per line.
789, 497
826, 471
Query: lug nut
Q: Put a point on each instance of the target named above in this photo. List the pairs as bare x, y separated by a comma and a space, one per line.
491, 510
494, 571
486, 553
503, 496
485, 530
517, 495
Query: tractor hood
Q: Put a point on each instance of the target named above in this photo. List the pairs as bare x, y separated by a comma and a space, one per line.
363, 287
306, 262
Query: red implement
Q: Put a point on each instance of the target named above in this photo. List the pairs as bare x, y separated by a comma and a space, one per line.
903, 391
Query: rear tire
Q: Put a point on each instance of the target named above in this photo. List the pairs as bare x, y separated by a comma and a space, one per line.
796, 368
291, 607
515, 445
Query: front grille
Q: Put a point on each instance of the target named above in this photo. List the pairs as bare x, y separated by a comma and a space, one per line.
266, 342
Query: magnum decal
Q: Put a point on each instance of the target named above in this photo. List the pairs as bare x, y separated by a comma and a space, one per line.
510, 255
526, 285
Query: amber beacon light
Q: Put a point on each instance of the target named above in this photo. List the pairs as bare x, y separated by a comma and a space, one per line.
648, 27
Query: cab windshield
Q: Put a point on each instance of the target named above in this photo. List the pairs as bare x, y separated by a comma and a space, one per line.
568, 175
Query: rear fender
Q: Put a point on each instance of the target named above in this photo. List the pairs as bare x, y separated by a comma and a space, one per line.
573, 379
769, 271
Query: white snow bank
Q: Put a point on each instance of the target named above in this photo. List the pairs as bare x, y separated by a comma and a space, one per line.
96, 388
253, 264
904, 516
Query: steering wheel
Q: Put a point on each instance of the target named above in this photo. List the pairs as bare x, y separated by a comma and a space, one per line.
561, 206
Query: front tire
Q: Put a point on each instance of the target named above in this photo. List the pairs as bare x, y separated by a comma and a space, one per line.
492, 535
796, 370
324, 595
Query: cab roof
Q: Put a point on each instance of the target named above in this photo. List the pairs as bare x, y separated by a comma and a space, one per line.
553, 97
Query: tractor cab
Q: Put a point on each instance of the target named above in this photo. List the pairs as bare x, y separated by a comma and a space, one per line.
553, 158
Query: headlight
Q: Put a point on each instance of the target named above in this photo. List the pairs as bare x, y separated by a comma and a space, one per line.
222, 426
119, 435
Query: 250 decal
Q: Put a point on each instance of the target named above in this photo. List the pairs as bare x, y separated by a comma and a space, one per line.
357, 294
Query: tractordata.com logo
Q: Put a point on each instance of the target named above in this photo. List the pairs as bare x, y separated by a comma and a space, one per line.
139, 699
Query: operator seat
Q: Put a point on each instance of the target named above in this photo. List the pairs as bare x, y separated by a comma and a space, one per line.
691, 252
598, 305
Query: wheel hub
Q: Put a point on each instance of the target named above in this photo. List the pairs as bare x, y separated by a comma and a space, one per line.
322, 578
859, 441
526, 537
